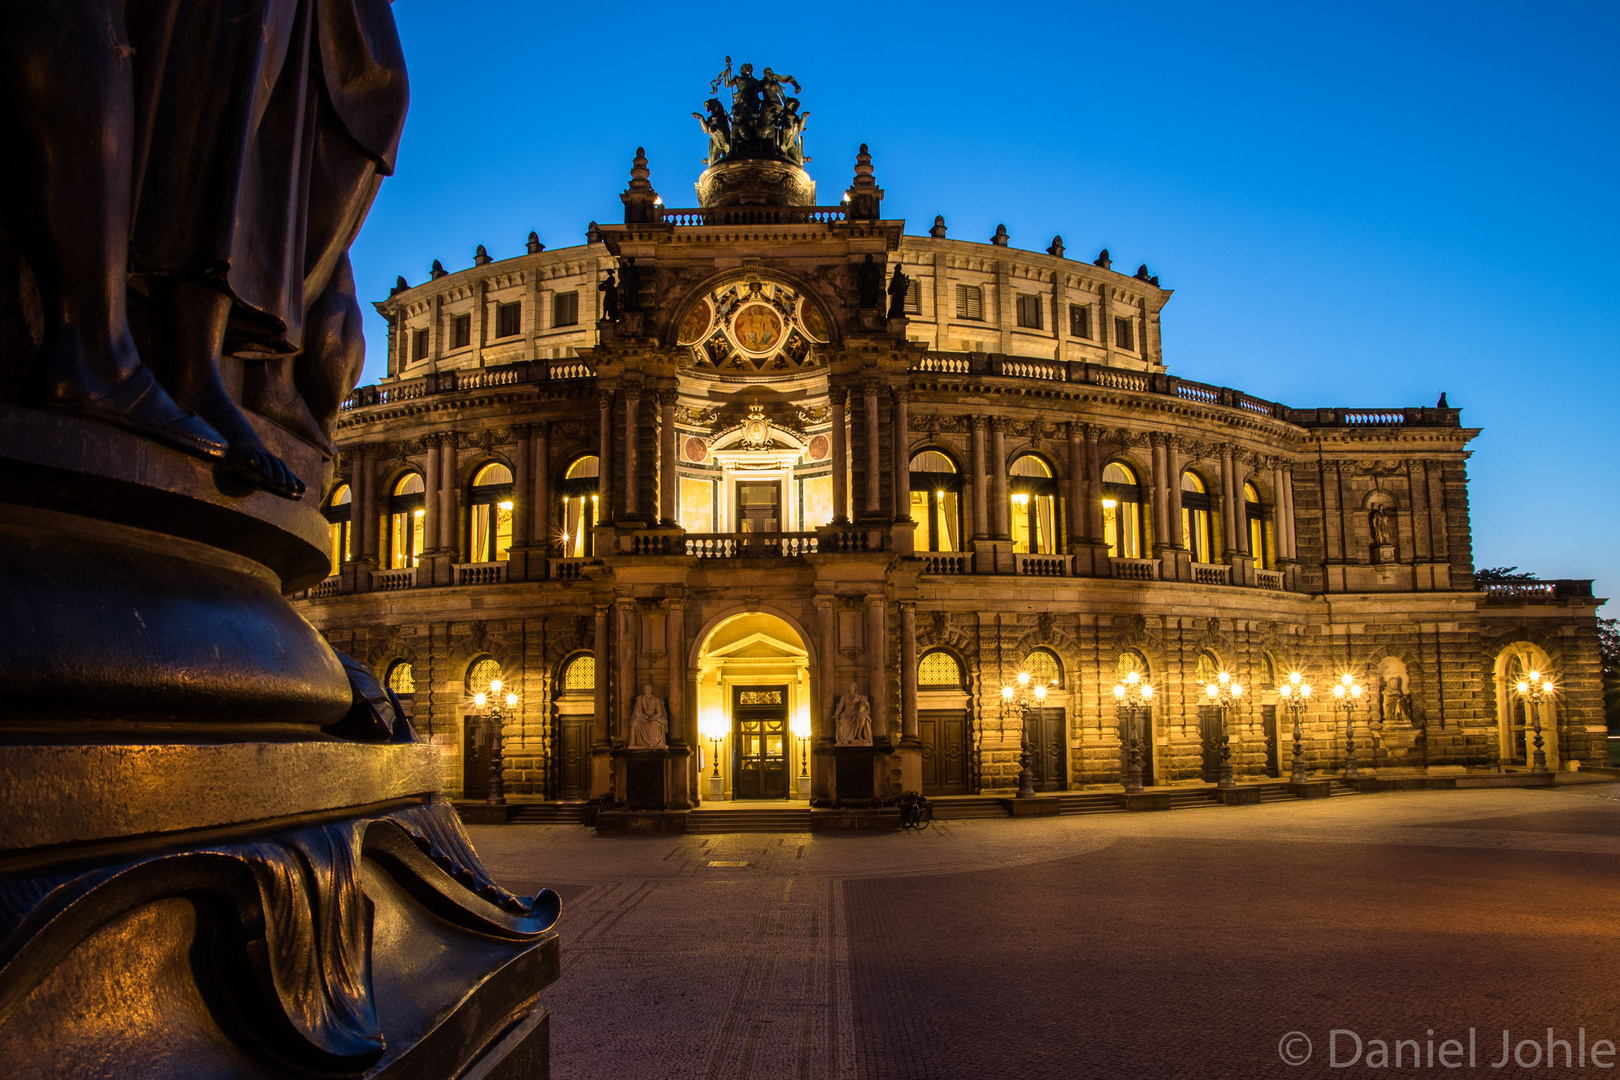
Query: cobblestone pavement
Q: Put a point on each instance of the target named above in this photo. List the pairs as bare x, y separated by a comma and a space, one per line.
1181, 944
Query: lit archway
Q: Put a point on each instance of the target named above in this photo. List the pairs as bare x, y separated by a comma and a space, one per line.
753, 706
1515, 728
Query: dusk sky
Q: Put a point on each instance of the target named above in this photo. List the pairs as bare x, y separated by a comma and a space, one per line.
1359, 206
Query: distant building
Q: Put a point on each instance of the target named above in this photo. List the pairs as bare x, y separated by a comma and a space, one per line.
734, 474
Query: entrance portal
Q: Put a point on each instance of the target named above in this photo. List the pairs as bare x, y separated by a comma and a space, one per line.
753, 685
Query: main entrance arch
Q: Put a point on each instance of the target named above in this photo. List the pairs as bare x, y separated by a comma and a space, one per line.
753, 696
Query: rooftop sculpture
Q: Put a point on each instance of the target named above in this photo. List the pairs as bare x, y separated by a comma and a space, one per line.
763, 121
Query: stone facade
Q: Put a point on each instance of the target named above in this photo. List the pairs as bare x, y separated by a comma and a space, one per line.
732, 468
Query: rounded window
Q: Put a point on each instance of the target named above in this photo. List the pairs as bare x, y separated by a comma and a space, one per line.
579, 674
1033, 511
406, 521
1044, 668
339, 518
482, 674
1122, 512
490, 530
1254, 515
580, 506
936, 501
1197, 523
939, 670
401, 679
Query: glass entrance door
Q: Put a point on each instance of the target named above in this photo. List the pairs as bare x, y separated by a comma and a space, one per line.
759, 506
759, 719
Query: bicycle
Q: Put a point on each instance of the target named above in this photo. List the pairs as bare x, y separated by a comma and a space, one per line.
915, 813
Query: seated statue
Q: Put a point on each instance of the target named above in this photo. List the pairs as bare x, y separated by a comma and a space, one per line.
852, 720
649, 723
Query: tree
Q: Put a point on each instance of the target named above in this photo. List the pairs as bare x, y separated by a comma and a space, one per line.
1496, 575
1609, 650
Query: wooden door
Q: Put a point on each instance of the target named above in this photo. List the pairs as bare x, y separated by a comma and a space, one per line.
574, 756
1268, 723
478, 745
1209, 728
944, 736
1043, 731
759, 737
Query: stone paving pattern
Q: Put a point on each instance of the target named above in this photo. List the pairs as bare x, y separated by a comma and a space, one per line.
1180, 944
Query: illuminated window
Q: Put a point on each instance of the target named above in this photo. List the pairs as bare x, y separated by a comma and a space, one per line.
939, 669
579, 676
1268, 671
405, 522
461, 331
1033, 494
1255, 515
1029, 310
969, 302
1122, 512
1079, 321
1044, 668
565, 309
508, 320
491, 510
1195, 518
936, 502
1125, 333
483, 671
1208, 669
339, 518
1130, 661
579, 507
401, 680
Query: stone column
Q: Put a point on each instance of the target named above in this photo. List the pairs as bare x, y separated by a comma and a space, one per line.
1173, 469
902, 460
877, 666
666, 460
874, 460
432, 512
625, 656
908, 671
1079, 516
981, 483
675, 652
632, 492
604, 457
826, 666
840, 457
1240, 509
1000, 523
522, 501
1161, 503
1286, 504
599, 651
1094, 489
449, 534
1228, 517
368, 505
540, 524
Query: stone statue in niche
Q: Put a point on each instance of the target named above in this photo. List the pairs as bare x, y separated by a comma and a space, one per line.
1382, 519
1397, 703
609, 288
899, 284
197, 219
869, 284
649, 723
852, 719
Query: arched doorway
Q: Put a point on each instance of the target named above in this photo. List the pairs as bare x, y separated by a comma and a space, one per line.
1514, 716
753, 706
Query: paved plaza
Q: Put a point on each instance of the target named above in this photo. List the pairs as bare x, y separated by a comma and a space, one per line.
1185, 944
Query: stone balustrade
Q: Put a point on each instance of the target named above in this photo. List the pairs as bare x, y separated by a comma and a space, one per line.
1522, 592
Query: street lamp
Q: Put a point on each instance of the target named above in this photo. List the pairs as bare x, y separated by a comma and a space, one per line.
801, 731
1224, 694
1346, 692
496, 716
1296, 694
712, 727
1019, 698
1133, 696
1531, 690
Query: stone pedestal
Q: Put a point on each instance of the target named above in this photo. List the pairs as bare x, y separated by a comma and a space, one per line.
1312, 789
861, 774
225, 851
908, 757
1034, 806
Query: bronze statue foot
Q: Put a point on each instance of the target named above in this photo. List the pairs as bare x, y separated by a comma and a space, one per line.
251, 463
141, 405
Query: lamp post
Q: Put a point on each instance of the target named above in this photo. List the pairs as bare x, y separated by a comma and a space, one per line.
496, 716
1019, 698
1531, 690
1346, 692
1223, 694
712, 729
1133, 696
1296, 694
801, 731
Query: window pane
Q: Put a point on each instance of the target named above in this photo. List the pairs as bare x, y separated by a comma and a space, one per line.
1115, 473
480, 532
399, 541
919, 513
580, 674
1045, 525
585, 467
1030, 465
480, 675
503, 530
932, 461
950, 516
1111, 527
1020, 524
401, 680
939, 669
337, 529
565, 309
418, 522
1043, 669
1257, 542
410, 484
492, 474
1130, 528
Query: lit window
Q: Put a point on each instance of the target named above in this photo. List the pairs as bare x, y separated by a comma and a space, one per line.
1033, 494
1255, 515
1122, 512
936, 502
339, 517
401, 680
1196, 523
406, 522
491, 510
481, 674
579, 507
1043, 668
580, 674
939, 669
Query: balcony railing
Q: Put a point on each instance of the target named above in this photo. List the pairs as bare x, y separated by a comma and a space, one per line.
480, 573
1137, 569
1269, 579
1211, 573
751, 215
391, 580
324, 589
760, 545
1519, 592
942, 563
1042, 565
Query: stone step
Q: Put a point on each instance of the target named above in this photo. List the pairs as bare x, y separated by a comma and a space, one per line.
549, 814
959, 809
727, 821
1090, 803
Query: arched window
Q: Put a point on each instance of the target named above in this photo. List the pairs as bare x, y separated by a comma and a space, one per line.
1033, 492
1268, 672
1044, 668
1195, 518
339, 514
938, 670
481, 673
1130, 661
1208, 669
1122, 511
491, 510
405, 514
1255, 516
936, 501
579, 497
401, 680
579, 674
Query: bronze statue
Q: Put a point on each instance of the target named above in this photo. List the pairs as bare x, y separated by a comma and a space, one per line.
763, 120
899, 284
717, 125
171, 220
609, 288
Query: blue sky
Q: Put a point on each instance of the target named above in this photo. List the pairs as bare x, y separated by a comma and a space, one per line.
1357, 204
